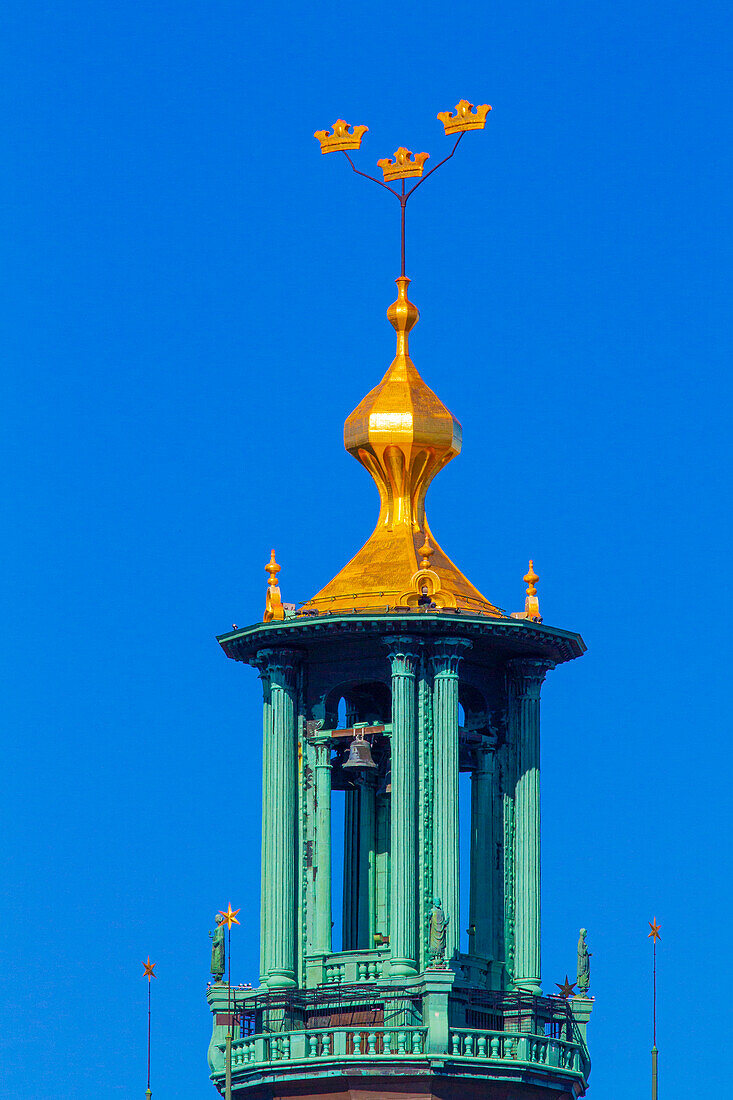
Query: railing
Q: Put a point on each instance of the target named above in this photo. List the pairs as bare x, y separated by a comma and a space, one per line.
533, 1049
256, 1052
320, 1043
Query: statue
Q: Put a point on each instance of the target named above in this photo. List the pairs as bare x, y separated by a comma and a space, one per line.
438, 930
584, 956
218, 950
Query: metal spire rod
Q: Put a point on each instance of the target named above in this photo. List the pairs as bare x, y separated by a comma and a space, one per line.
654, 936
345, 138
404, 195
149, 973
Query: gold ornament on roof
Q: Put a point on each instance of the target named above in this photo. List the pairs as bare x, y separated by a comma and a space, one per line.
531, 603
403, 435
465, 117
273, 601
343, 137
404, 166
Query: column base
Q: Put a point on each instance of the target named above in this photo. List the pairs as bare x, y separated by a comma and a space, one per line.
281, 979
529, 985
402, 968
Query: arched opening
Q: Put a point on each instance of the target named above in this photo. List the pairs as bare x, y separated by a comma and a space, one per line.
360, 820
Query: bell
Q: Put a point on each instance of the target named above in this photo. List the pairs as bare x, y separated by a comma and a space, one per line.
360, 753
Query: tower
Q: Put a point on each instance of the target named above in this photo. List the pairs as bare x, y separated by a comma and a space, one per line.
400, 642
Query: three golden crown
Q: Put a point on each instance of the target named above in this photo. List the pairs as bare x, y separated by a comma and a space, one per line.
344, 137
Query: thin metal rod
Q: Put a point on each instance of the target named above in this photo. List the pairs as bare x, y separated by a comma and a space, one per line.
402, 199
437, 166
654, 1011
403, 204
372, 178
149, 985
228, 1078
654, 1026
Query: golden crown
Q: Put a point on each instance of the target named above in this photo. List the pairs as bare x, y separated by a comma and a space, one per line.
404, 166
344, 137
464, 118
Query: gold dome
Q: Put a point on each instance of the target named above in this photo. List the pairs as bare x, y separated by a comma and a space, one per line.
403, 434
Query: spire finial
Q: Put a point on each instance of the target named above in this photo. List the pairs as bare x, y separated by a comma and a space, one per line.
426, 551
273, 601
531, 603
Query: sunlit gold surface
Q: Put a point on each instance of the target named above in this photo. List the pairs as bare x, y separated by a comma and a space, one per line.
403, 434
343, 138
531, 602
404, 166
465, 117
273, 601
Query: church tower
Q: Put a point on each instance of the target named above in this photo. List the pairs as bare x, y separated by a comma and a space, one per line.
379, 691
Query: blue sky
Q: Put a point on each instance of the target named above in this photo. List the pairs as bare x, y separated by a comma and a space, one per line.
193, 301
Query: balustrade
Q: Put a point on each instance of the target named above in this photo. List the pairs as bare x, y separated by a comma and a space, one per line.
404, 1042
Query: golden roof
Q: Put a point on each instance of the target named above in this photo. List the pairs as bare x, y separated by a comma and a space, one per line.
403, 434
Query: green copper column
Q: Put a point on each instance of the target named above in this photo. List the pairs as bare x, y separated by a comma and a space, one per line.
524, 683
322, 846
403, 657
446, 856
265, 866
484, 879
281, 794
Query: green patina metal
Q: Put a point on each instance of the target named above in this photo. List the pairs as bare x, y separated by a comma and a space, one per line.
396, 1001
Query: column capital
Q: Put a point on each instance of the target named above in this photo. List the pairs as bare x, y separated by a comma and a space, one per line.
403, 653
279, 665
447, 654
526, 675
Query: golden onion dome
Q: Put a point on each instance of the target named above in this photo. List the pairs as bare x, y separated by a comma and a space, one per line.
403, 434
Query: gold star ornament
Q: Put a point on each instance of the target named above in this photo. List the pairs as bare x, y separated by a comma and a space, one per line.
149, 969
568, 989
230, 917
654, 934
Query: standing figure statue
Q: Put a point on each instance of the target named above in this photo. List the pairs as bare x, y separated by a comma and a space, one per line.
438, 929
584, 956
218, 950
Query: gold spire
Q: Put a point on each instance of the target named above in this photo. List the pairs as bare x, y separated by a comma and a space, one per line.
531, 603
273, 602
403, 434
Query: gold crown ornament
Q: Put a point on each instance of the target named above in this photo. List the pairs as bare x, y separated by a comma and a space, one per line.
404, 166
464, 118
344, 137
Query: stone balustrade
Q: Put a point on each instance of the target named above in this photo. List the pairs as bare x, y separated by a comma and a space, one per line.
513, 1046
333, 1042
256, 1052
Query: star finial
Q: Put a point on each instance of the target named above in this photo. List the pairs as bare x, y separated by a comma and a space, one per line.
654, 934
568, 989
149, 969
230, 917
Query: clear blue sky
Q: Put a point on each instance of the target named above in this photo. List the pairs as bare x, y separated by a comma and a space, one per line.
193, 301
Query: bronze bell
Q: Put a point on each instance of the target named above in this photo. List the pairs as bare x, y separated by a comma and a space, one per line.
360, 753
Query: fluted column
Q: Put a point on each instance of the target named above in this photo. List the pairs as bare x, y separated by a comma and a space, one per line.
524, 683
265, 864
445, 660
403, 657
322, 845
281, 794
483, 885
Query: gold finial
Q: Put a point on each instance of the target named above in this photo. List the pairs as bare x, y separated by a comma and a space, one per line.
404, 166
273, 602
531, 603
465, 117
344, 137
426, 551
